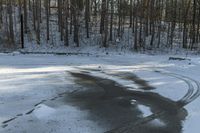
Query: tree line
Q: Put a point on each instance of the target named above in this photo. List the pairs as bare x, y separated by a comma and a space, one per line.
149, 23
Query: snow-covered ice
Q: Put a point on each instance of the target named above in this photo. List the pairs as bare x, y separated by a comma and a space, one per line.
30, 83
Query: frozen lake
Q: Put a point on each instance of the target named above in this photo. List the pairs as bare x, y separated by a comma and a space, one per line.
108, 93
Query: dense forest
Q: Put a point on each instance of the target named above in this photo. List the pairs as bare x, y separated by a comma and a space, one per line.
140, 24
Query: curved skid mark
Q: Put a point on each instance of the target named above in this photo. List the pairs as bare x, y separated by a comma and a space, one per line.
190, 87
196, 94
139, 95
193, 93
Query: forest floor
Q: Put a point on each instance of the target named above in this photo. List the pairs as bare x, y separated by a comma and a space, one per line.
99, 93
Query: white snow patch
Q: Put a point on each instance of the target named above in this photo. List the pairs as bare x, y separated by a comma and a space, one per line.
158, 123
145, 110
43, 111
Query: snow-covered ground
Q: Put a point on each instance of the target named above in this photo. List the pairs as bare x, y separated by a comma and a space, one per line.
32, 88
